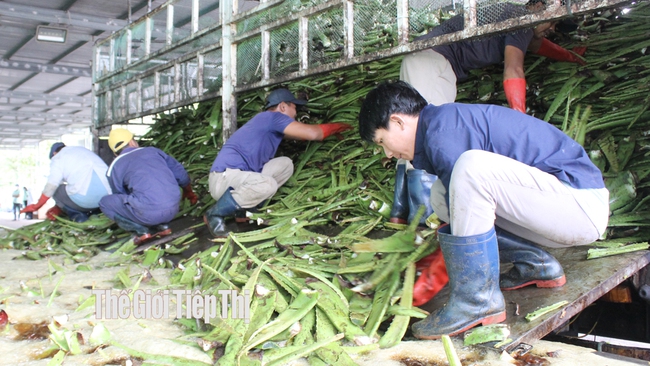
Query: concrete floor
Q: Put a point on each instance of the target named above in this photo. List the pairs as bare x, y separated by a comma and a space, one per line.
7, 221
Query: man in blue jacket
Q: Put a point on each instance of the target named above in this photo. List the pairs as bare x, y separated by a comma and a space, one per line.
433, 73
508, 182
145, 183
246, 172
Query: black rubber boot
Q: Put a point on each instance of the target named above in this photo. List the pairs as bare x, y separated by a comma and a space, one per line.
214, 217
532, 265
419, 193
74, 215
142, 232
473, 267
400, 211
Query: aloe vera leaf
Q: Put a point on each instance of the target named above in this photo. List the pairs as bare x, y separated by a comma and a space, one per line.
545, 310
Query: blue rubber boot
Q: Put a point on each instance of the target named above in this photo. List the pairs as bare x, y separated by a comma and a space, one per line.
419, 193
74, 215
214, 217
473, 267
400, 211
531, 264
142, 233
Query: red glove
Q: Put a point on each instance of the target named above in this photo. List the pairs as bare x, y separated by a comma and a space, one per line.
189, 194
52, 212
557, 53
432, 279
515, 89
331, 128
35, 206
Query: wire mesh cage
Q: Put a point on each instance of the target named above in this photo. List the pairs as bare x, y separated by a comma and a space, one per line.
284, 50
189, 82
117, 104
138, 41
326, 37
375, 25
158, 31
132, 98
148, 92
491, 11
277, 41
212, 71
182, 20
166, 89
121, 50
426, 14
249, 55
101, 111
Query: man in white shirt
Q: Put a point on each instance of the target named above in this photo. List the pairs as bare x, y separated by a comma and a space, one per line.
77, 182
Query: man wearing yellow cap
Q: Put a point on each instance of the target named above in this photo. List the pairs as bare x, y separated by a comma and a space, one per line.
145, 183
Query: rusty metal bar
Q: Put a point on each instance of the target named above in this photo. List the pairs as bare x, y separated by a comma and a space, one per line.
156, 90
199, 73
139, 102
147, 37
266, 54
129, 45
177, 82
229, 67
195, 16
348, 25
471, 19
402, 21
303, 43
169, 38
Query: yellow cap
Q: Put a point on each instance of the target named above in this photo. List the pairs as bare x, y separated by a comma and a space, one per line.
119, 138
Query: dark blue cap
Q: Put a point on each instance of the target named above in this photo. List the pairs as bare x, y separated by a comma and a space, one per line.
282, 95
56, 147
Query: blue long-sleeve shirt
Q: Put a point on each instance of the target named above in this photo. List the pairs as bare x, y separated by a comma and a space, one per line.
149, 177
254, 144
445, 132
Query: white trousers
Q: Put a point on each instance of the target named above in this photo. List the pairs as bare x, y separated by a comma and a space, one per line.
488, 189
251, 188
430, 74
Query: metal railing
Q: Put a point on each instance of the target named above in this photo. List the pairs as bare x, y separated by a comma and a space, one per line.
187, 51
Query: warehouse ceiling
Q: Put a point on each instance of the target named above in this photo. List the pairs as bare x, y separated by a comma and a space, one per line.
46, 87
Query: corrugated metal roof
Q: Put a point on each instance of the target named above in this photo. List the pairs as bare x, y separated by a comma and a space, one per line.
45, 87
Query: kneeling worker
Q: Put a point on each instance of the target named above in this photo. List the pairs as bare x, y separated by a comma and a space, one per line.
245, 172
508, 184
77, 182
145, 183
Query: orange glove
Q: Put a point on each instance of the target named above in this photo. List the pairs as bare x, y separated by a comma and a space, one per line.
35, 206
52, 212
189, 194
558, 53
333, 128
515, 89
432, 279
